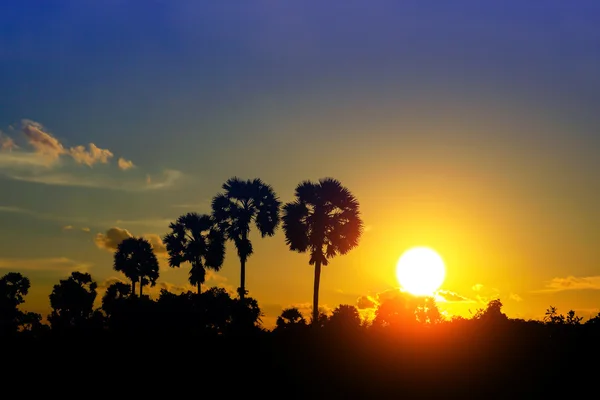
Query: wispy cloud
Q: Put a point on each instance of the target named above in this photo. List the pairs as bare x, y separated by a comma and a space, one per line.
46, 160
447, 296
515, 297
161, 223
61, 264
201, 205
7, 143
571, 283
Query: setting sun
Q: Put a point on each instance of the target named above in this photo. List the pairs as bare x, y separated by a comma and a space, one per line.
420, 271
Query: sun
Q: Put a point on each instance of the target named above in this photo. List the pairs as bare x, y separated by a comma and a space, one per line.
420, 271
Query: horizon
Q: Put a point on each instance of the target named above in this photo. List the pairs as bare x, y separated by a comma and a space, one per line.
469, 129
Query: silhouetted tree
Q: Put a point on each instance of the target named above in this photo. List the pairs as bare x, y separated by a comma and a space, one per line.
427, 311
395, 311
197, 240
217, 309
72, 301
115, 295
573, 319
31, 322
290, 318
492, 313
324, 220
245, 315
321, 320
595, 321
13, 288
345, 317
553, 317
135, 258
242, 203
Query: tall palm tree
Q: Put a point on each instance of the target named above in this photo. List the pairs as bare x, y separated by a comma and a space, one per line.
136, 259
242, 203
324, 220
195, 239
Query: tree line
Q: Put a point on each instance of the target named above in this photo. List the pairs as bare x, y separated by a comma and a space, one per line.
323, 220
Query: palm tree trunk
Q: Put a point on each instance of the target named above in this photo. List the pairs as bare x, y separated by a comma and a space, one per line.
133, 288
141, 287
199, 288
315, 317
243, 279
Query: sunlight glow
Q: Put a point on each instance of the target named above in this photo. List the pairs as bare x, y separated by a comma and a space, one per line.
420, 271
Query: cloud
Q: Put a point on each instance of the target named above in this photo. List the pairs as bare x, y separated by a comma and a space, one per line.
202, 205
42, 141
7, 143
451, 297
572, 283
72, 228
365, 302
155, 223
92, 156
48, 161
371, 302
62, 264
112, 238
306, 309
515, 297
157, 244
125, 164
167, 179
477, 287
95, 181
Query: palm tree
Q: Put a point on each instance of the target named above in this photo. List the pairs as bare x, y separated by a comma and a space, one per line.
136, 259
242, 203
195, 238
324, 220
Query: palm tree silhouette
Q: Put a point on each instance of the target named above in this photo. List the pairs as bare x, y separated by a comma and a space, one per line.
136, 259
242, 203
196, 239
324, 220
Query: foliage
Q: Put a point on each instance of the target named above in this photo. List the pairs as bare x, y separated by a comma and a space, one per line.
290, 319
197, 240
13, 289
135, 258
324, 220
242, 203
345, 317
72, 301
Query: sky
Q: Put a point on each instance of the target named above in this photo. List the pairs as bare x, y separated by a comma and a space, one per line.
469, 127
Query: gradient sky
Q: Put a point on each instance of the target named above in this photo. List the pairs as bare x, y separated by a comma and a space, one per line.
471, 128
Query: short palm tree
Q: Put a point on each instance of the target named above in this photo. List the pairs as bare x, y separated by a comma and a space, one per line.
136, 259
324, 220
241, 204
195, 239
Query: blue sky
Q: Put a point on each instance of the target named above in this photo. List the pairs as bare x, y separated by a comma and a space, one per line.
407, 103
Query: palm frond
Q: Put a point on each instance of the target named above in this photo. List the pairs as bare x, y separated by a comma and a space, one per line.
295, 226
